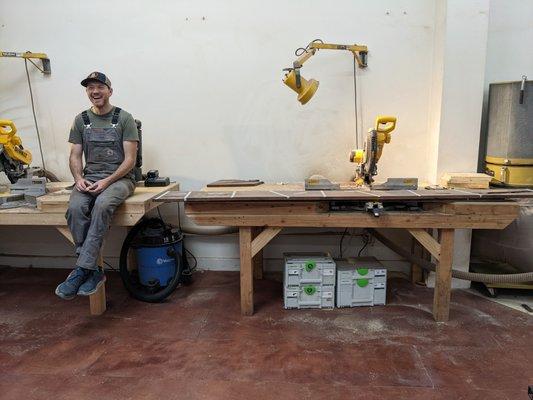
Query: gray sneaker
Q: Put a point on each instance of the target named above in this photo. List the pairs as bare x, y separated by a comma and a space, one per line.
68, 289
92, 283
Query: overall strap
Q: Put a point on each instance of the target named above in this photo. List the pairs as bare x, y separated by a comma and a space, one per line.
114, 119
86, 120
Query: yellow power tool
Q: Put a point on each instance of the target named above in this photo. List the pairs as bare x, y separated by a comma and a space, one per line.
367, 158
13, 157
30, 56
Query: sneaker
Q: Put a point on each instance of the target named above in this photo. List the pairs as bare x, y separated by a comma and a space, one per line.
92, 283
68, 289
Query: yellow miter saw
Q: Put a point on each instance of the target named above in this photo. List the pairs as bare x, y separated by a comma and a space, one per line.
14, 159
367, 158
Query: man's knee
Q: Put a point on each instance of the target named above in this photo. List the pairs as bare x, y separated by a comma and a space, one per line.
77, 209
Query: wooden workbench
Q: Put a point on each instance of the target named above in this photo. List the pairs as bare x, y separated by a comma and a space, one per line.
51, 209
261, 212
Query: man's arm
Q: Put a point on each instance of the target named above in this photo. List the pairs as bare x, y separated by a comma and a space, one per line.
130, 156
76, 167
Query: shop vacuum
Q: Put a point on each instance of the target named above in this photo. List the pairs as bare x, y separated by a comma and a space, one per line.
160, 261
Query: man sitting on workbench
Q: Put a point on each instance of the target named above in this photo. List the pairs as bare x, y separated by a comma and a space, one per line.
107, 137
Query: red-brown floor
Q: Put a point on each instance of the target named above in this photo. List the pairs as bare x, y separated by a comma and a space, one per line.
197, 345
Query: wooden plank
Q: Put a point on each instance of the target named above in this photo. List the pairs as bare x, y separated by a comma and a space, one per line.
468, 180
443, 278
481, 207
359, 220
263, 238
355, 195
267, 207
97, 301
65, 231
38, 218
247, 281
58, 201
417, 274
426, 240
258, 258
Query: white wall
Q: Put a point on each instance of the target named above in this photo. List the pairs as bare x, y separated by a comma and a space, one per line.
205, 79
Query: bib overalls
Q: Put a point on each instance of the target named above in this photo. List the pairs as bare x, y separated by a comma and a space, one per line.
89, 215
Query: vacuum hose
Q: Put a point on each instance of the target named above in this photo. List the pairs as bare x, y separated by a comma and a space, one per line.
467, 276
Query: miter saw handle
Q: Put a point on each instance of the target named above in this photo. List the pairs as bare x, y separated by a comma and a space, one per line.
382, 121
7, 127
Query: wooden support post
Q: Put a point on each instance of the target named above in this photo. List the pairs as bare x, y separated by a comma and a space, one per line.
97, 300
417, 274
427, 241
443, 277
263, 238
258, 257
247, 279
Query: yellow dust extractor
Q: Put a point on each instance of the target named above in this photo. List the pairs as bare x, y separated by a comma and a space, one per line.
509, 156
307, 88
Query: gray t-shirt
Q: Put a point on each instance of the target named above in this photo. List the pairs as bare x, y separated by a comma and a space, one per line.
126, 130
126, 127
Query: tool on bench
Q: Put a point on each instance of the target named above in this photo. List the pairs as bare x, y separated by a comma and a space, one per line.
153, 179
367, 157
319, 182
15, 161
27, 183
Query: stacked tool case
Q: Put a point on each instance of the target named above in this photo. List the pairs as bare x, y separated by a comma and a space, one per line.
361, 282
309, 280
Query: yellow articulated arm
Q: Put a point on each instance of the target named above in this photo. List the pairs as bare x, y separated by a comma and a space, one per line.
28, 55
368, 157
11, 143
307, 88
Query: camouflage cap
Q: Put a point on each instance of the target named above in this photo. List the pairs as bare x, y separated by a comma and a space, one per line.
96, 77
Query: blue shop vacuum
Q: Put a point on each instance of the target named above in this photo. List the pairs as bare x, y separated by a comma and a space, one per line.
161, 264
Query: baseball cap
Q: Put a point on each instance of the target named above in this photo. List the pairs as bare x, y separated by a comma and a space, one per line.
96, 76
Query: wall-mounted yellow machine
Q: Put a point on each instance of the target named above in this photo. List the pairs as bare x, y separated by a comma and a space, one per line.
307, 88
28, 55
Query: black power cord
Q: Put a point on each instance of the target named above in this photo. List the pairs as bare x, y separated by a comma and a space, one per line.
34, 115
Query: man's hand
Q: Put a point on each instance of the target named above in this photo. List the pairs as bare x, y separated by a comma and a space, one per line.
98, 186
82, 184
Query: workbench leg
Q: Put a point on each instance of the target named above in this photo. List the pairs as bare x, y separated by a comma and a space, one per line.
247, 278
443, 277
416, 270
258, 258
97, 300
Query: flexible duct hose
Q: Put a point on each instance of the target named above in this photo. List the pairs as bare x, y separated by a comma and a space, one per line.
467, 276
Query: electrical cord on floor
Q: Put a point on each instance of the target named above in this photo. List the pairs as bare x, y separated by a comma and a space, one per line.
193, 268
34, 115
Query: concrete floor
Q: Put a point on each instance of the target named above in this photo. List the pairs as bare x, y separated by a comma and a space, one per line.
197, 346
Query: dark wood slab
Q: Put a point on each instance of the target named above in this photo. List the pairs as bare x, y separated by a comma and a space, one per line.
349, 195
